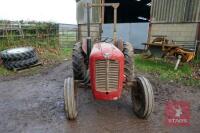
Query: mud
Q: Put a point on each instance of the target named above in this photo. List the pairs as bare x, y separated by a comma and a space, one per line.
35, 104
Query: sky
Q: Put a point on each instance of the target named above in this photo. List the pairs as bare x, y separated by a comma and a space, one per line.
59, 11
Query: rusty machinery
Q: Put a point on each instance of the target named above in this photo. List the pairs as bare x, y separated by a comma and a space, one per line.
161, 47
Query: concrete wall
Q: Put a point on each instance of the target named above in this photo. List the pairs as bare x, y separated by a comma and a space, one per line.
176, 32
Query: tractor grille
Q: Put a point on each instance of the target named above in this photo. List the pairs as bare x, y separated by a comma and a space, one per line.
107, 74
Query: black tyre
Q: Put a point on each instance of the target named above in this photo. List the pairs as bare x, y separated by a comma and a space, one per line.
21, 63
128, 64
78, 62
15, 54
142, 98
70, 98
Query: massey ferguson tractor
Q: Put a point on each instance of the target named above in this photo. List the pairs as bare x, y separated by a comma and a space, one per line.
107, 67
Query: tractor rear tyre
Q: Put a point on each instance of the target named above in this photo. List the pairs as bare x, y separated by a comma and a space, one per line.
15, 54
20, 63
70, 98
78, 62
128, 63
142, 98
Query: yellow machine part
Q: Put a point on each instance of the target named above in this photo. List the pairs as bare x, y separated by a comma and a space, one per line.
186, 55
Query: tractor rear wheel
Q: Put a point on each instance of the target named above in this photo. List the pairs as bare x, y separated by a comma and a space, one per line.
20, 63
142, 98
70, 98
18, 54
128, 63
78, 62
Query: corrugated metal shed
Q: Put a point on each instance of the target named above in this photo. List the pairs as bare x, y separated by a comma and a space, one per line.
82, 12
173, 11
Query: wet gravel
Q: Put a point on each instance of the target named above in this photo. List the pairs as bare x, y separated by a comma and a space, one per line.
35, 104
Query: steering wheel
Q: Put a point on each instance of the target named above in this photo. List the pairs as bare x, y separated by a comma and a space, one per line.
106, 39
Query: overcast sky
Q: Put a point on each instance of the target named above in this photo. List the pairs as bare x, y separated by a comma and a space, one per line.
61, 11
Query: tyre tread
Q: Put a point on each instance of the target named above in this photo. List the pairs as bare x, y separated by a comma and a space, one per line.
29, 53
20, 63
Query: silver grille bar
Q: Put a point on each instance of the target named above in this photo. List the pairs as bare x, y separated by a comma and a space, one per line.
107, 75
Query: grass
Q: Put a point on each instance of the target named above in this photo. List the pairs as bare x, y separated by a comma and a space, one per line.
44, 37
55, 54
10, 42
165, 71
66, 53
5, 72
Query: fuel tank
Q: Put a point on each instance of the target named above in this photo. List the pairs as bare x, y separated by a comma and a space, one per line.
106, 66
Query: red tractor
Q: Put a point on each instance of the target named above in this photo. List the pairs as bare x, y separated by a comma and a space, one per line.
107, 66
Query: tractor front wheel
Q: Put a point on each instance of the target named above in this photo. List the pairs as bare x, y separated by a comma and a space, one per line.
70, 98
142, 98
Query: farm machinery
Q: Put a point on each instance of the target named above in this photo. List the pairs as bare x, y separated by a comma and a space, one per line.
163, 48
107, 67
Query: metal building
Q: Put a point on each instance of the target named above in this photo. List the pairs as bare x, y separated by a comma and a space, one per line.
175, 11
139, 20
132, 17
179, 20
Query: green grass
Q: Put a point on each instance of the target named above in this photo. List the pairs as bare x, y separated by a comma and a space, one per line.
28, 41
57, 55
5, 72
166, 71
66, 53
43, 36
